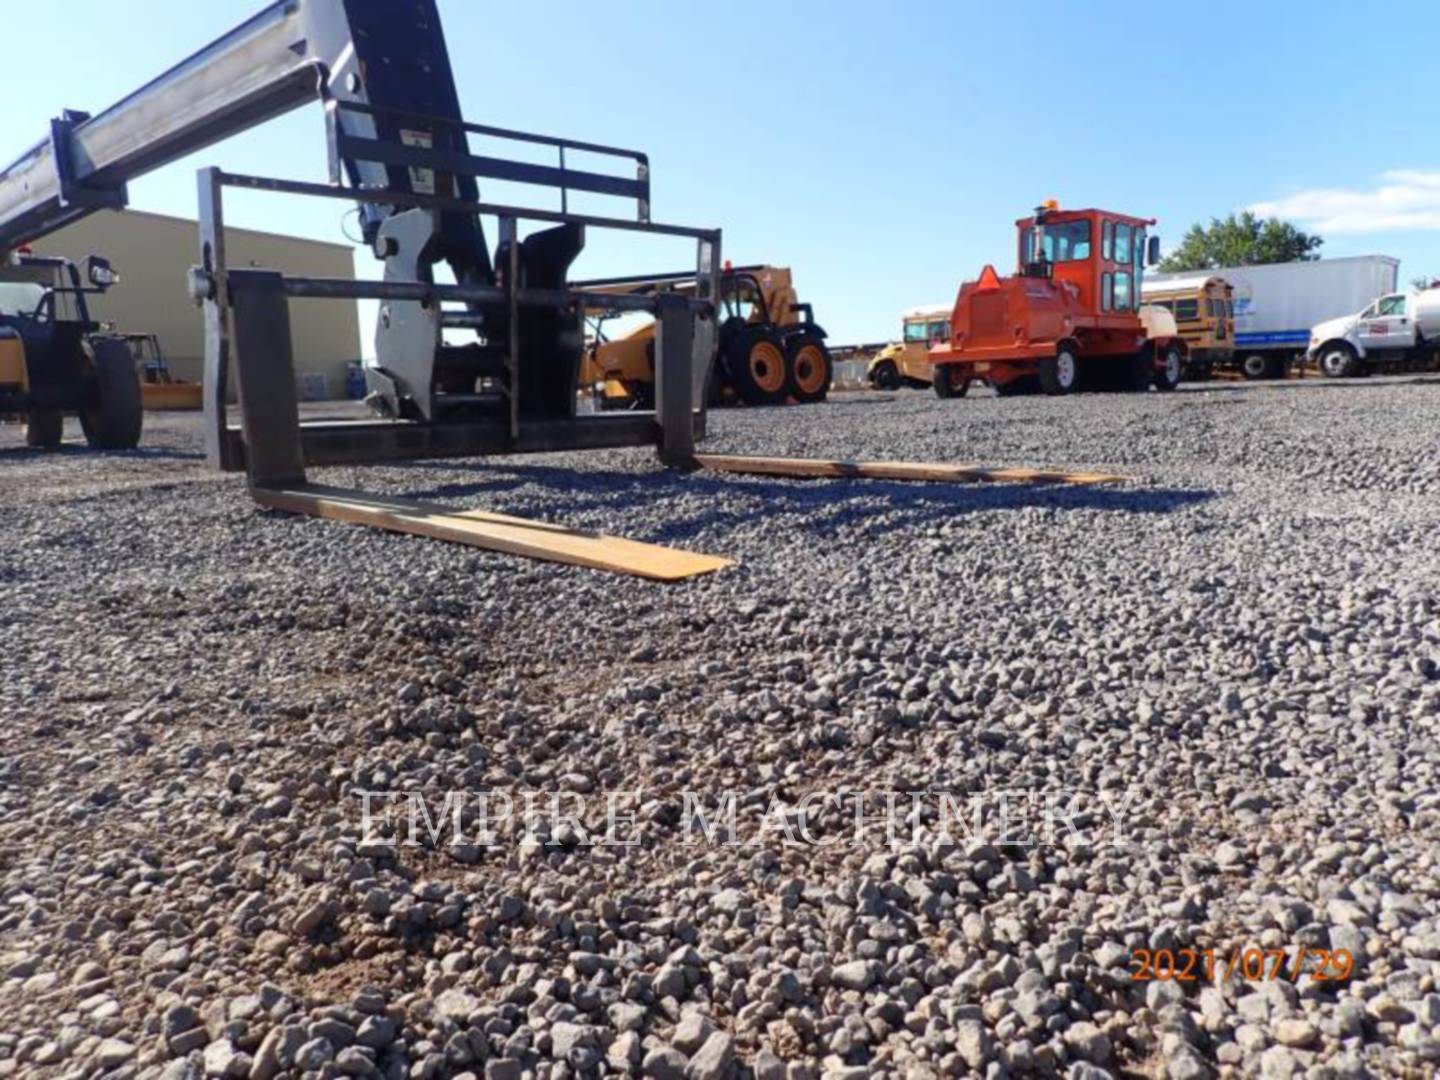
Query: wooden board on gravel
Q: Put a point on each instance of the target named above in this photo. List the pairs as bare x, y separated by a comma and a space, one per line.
494, 532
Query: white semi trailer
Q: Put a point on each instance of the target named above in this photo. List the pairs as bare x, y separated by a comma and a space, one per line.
1277, 304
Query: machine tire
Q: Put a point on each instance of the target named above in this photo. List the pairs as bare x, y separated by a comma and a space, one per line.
757, 365
943, 384
886, 376
115, 419
1255, 366
1140, 371
44, 429
1339, 361
1168, 375
808, 368
1059, 374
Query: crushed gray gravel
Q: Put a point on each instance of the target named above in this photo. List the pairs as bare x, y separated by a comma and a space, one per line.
1228, 662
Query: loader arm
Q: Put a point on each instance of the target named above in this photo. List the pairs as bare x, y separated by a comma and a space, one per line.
381, 58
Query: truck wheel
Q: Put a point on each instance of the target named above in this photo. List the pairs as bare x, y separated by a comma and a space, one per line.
809, 369
1339, 361
757, 366
1170, 371
886, 376
1255, 366
1059, 373
44, 428
114, 420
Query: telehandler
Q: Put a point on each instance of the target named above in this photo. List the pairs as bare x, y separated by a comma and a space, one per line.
55, 361
769, 347
487, 365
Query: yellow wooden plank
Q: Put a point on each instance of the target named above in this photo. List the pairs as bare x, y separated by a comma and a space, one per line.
895, 470
494, 532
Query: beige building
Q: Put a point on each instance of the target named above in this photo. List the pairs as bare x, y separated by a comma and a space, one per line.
152, 252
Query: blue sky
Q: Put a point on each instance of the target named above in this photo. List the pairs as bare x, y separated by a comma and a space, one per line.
882, 150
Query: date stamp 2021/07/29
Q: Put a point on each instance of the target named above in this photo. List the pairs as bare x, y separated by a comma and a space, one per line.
1252, 964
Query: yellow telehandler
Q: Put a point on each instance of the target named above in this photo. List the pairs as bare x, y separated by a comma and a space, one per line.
769, 348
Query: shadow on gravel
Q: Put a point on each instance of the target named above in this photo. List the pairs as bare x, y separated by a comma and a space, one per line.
72, 451
821, 506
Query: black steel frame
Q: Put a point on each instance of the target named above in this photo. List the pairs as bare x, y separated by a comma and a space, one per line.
247, 330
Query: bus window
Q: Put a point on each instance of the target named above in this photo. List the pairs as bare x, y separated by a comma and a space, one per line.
1168, 305
1107, 291
1186, 310
1107, 241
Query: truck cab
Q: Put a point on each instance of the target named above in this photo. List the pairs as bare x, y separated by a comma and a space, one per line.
1392, 329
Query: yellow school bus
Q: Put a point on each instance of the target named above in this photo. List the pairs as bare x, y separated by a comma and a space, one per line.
1204, 314
906, 362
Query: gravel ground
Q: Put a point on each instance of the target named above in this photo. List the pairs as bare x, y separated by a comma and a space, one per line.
1228, 665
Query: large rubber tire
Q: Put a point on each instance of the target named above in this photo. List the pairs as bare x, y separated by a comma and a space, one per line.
942, 383
757, 366
808, 368
1138, 371
115, 419
1171, 369
1339, 361
1060, 374
44, 429
886, 376
1255, 366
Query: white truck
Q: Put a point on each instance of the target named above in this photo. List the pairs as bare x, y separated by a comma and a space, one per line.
1398, 331
1277, 304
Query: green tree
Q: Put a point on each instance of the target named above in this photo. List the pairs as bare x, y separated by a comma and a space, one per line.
1425, 281
1242, 240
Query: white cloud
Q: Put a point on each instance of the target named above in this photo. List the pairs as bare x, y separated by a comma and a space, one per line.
1404, 199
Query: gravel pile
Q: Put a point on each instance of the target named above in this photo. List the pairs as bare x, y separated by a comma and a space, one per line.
1228, 665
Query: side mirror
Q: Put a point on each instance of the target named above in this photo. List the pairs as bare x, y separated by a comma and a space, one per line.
100, 272
1152, 251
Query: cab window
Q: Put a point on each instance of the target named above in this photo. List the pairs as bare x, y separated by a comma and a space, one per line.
1392, 305
1123, 279
20, 298
939, 331
915, 331
1123, 238
1065, 242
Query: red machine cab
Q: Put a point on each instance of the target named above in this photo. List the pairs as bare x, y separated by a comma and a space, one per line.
1070, 317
